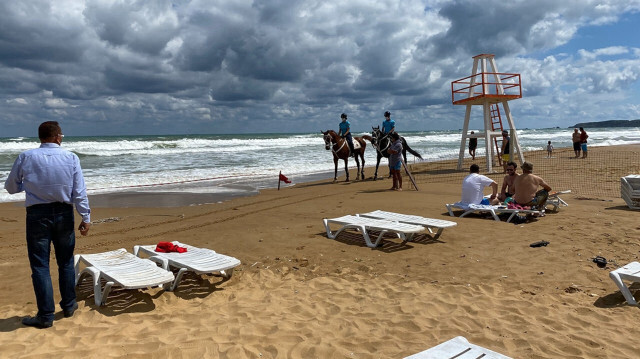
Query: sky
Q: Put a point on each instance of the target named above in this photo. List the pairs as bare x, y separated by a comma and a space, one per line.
118, 67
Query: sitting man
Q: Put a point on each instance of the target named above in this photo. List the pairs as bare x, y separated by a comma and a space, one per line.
508, 184
526, 192
474, 184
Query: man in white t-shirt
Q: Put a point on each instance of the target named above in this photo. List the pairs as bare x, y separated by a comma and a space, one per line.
473, 186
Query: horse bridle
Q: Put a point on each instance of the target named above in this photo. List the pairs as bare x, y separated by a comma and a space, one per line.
330, 140
379, 140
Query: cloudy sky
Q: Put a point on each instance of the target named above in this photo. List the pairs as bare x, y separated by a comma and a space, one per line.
109, 67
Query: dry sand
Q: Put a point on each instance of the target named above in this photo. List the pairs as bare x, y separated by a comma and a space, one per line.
299, 294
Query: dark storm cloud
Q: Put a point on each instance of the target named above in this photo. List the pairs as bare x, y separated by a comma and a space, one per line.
150, 65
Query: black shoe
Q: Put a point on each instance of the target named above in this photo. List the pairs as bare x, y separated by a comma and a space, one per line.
36, 322
69, 312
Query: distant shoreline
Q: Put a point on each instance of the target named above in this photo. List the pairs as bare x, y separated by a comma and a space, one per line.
611, 123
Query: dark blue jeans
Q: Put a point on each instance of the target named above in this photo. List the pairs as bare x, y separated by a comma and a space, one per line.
46, 224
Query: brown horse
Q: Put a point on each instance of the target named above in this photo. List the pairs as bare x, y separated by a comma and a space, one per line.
340, 149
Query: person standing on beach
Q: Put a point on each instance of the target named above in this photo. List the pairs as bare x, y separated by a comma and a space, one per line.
52, 180
473, 186
345, 132
388, 125
575, 137
583, 142
395, 161
505, 149
549, 149
473, 144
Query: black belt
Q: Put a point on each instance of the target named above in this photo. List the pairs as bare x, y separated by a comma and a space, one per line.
52, 205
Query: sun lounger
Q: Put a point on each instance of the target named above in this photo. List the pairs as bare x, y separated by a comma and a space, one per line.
428, 223
555, 200
630, 272
459, 348
486, 208
630, 190
119, 268
363, 225
195, 259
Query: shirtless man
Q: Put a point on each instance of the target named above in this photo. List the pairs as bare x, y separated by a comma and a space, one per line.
526, 188
508, 184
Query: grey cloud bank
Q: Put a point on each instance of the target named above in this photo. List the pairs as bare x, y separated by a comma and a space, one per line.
161, 67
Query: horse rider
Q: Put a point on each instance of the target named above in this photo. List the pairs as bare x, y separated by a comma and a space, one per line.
345, 132
388, 125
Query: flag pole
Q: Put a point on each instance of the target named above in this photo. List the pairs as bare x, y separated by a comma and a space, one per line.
279, 174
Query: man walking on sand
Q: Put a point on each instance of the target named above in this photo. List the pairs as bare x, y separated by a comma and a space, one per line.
52, 180
526, 188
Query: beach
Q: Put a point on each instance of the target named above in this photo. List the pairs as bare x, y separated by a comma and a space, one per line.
298, 294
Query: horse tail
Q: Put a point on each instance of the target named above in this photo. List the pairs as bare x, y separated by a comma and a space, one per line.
410, 150
368, 138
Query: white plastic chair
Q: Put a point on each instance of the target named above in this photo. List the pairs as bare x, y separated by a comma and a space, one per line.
486, 208
363, 225
195, 259
119, 268
429, 223
629, 272
459, 348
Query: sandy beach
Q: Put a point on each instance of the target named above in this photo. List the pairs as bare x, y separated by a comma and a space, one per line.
299, 294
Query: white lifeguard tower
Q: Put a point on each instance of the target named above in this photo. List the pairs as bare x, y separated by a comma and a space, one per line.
488, 89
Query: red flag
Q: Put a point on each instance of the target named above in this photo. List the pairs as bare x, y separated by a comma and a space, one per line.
284, 178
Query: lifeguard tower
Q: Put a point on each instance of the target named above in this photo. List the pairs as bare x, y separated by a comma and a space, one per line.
488, 89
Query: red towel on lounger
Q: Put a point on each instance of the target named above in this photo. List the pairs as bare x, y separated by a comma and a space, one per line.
166, 247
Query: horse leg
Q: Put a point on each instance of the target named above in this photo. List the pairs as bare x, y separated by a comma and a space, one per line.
362, 173
375, 176
335, 169
358, 165
346, 168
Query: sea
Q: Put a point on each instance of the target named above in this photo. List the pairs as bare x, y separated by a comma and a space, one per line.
247, 163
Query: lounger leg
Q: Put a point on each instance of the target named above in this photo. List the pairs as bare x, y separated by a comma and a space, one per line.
437, 233
623, 288
329, 233
511, 217
449, 209
172, 286
227, 274
495, 216
99, 296
367, 239
76, 266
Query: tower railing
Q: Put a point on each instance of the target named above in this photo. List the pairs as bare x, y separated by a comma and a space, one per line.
494, 86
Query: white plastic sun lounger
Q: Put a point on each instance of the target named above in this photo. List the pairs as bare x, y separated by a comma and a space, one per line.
459, 348
119, 268
428, 223
555, 200
493, 210
195, 259
630, 272
363, 225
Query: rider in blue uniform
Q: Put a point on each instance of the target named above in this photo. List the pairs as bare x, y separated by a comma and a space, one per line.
345, 133
388, 125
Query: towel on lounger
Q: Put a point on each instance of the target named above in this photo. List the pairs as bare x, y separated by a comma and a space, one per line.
166, 247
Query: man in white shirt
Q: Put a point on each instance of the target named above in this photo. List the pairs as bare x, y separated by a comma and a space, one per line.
473, 186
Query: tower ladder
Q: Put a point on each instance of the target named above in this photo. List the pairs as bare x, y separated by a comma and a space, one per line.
496, 124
